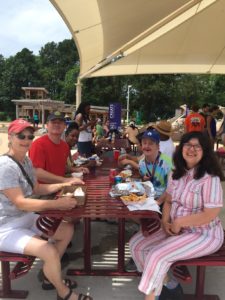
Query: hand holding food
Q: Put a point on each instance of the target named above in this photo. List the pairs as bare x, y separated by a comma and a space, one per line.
79, 192
66, 202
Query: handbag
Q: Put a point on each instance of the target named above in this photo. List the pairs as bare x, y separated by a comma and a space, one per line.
23, 171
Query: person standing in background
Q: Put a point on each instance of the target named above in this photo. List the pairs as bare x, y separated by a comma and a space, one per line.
205, 112
82, 118
166, 144
194, 121
36, 120
211, 123
98, 130
222, 131
106, 128
131, 133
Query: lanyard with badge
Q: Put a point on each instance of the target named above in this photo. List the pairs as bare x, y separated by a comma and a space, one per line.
152, 173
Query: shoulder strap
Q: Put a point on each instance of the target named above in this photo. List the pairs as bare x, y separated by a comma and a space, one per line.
23, 171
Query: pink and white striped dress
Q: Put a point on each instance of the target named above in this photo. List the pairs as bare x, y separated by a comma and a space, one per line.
155, 254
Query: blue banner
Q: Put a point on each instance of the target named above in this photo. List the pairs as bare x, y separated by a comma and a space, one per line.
115, 116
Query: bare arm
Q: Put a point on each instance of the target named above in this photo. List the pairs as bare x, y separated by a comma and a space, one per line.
48, 177
79, 121
163, 198
166, 221
202, 218
28, 204
46, 189
128, 156
125, 162
166, 207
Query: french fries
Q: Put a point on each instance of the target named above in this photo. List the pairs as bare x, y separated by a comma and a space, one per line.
134, 198
125, 174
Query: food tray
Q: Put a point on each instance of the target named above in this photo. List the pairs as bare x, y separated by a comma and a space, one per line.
130, 187
81, 200
125, 174
80, 161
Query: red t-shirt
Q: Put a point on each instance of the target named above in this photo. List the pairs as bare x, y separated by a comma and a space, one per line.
49, 156
194, 122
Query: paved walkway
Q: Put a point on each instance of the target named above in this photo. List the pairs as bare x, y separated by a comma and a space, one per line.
109, 288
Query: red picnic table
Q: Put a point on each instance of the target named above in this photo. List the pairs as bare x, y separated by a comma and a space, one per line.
99, 205
105, 144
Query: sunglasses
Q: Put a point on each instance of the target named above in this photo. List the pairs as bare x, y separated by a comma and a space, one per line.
22, 136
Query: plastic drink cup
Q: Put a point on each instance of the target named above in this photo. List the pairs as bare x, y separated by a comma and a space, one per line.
112, 174
118, 179
116, 154
77, 175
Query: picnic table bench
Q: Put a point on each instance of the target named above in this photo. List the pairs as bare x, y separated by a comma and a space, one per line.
180, 271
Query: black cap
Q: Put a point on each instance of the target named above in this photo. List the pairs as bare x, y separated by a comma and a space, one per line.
56, 115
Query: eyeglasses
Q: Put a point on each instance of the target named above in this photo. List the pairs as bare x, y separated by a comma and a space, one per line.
22, 136
196, 147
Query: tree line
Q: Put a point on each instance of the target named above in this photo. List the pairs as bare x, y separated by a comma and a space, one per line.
56, 68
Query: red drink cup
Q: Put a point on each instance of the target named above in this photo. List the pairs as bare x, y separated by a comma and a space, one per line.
116, 154
112, 174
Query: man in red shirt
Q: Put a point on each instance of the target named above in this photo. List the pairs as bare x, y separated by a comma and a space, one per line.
194, 121
49, 153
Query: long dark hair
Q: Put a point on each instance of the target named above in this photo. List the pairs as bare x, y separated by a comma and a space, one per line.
208, 164
81, 110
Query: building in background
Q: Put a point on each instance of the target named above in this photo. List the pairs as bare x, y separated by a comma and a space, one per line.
36, 101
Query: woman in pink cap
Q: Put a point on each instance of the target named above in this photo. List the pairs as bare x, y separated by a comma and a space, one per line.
18, 231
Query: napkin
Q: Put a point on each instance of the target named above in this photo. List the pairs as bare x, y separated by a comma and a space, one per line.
149, 204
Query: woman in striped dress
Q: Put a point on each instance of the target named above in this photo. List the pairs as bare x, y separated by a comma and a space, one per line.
190, 223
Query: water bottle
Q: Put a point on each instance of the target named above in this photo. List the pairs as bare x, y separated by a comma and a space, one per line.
123, 151
113, 137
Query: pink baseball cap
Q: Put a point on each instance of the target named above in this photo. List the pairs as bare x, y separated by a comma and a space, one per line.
19, 125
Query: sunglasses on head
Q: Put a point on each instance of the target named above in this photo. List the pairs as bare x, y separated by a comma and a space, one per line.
22, 136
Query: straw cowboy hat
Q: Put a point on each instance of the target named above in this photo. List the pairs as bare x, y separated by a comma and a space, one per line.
163, 127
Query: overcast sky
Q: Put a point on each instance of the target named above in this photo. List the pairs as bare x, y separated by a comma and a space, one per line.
29, 24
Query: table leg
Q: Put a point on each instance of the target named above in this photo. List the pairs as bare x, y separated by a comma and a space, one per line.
200, 282
121, 244
199, 288
87, 244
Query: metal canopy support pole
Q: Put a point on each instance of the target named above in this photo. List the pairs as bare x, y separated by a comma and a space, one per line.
17, 111
128, 102
43, 116
78, 92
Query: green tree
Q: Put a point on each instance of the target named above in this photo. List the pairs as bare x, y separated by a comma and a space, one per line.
68, 92
19, 70
55, 61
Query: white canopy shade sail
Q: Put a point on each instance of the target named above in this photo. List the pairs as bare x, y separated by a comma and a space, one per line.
118, 37
128, 37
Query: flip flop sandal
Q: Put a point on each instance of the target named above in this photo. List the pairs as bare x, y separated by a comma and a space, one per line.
80, 296
84, 297
47, 285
